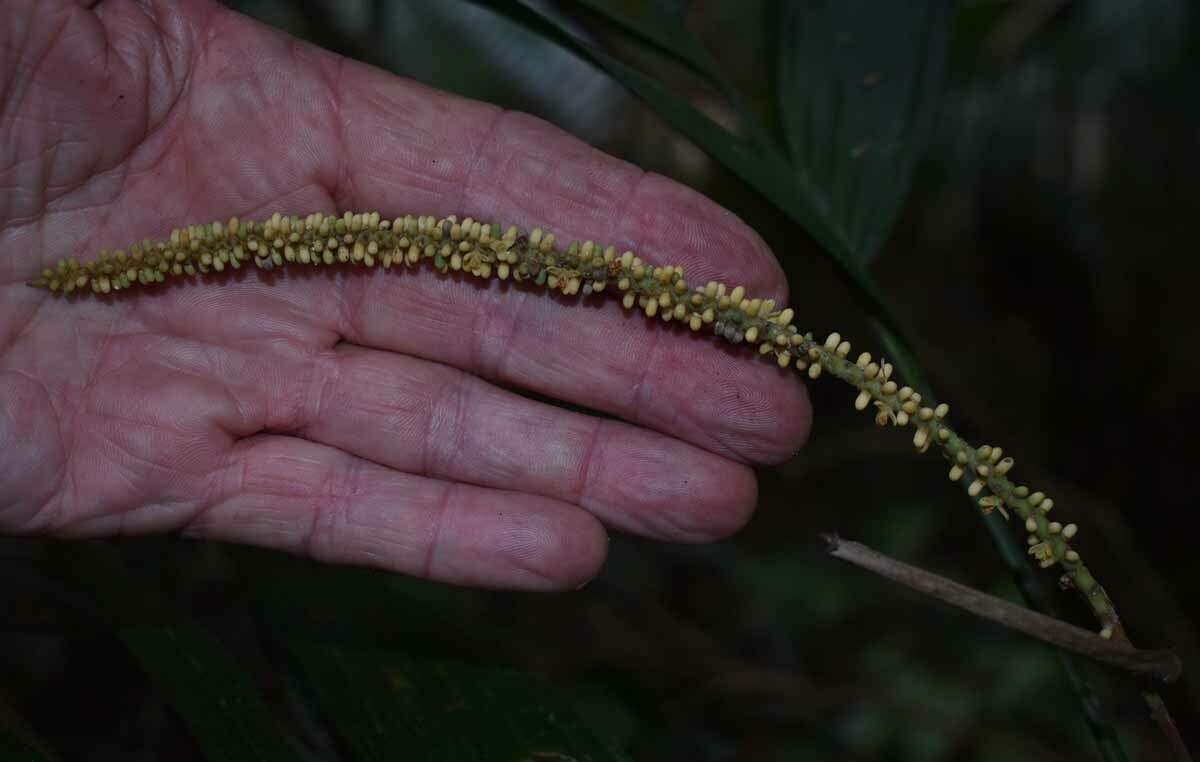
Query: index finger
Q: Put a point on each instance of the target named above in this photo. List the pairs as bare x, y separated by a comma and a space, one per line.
381, 142
420, 149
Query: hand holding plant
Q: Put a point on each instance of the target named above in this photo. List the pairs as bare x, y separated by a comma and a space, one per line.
355, 419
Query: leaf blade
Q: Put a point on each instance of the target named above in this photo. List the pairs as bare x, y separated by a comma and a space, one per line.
859, 101
380, 700
192, 669
18, 739
661, 26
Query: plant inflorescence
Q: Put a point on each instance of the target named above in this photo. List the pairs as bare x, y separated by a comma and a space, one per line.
486, 250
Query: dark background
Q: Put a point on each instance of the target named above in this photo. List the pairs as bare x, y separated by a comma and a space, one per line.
1044, 266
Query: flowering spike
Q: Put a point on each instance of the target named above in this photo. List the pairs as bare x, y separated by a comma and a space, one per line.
459, 247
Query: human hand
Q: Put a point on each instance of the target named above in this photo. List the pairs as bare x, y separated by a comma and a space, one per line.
360, 417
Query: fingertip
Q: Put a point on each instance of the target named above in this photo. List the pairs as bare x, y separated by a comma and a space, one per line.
754, 411
559, 548
669, 490
743, 487
793, 419
584, 552
718, 514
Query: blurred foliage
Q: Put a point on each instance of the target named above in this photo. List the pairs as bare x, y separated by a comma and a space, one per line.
860, 84
1034, 264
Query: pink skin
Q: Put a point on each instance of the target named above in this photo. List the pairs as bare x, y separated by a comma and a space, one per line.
353, 417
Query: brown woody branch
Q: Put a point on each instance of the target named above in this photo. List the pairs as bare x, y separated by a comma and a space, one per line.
1160, 664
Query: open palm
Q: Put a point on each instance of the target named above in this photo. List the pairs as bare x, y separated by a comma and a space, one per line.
357, 417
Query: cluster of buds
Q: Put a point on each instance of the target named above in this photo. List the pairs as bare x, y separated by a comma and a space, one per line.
983, 470
585, 268
469, 246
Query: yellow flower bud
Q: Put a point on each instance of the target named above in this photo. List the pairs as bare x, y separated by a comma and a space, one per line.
921, 438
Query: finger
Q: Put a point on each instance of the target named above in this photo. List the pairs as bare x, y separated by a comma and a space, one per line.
419, 149
374, 140
430, 419
426, 418
307, 498
509, 166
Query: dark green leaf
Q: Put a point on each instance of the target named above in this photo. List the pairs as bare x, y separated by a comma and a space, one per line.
195, 673
387, 705
859, 86
661, 24
762, 171
18, 741
972, 38
211, 691
14, 749
371, 608
354, 622
494, 59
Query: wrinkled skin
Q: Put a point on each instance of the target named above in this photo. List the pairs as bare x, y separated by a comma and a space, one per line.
354, 417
